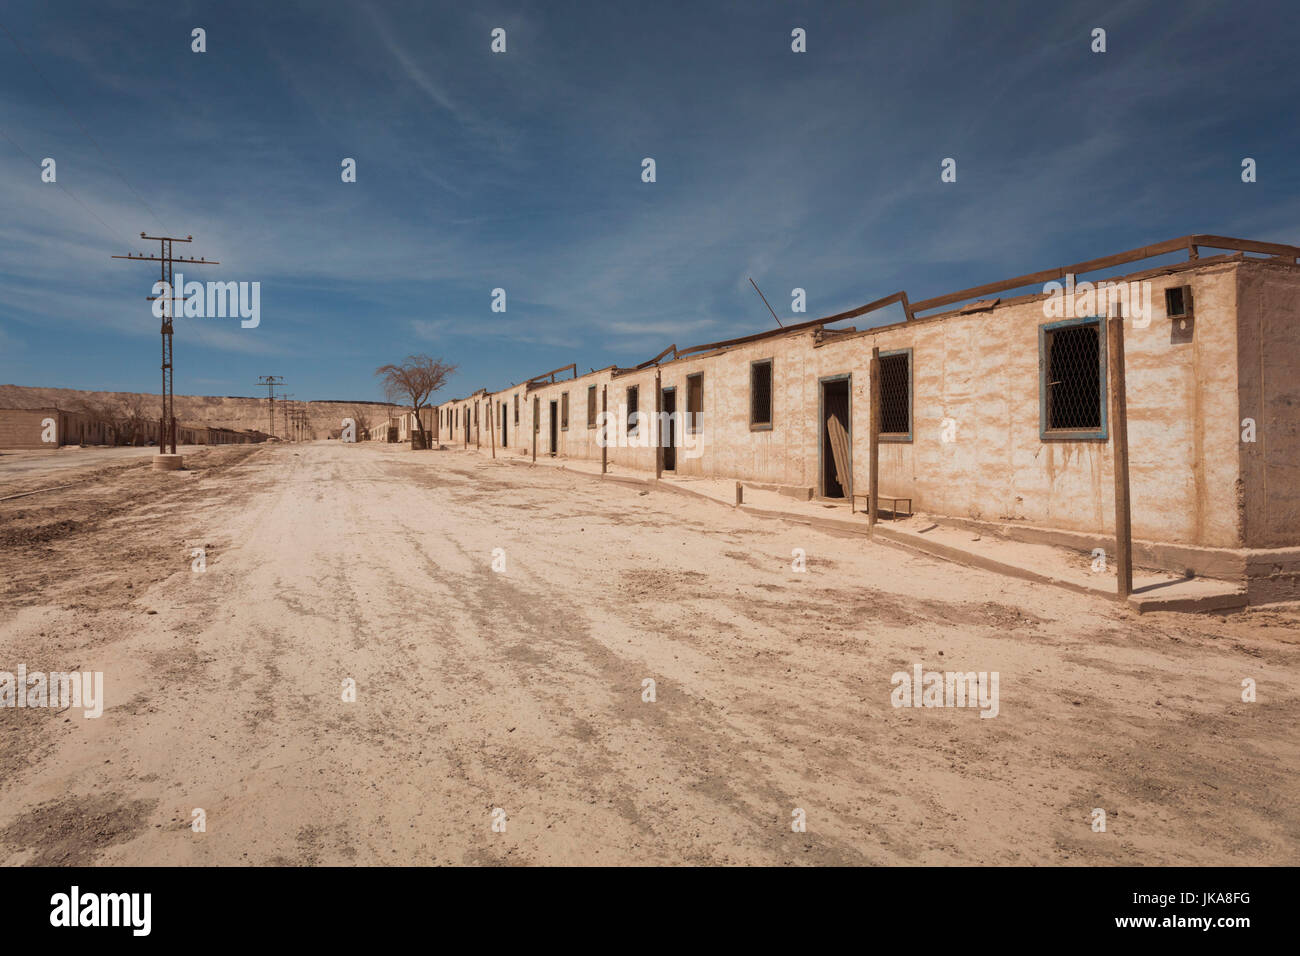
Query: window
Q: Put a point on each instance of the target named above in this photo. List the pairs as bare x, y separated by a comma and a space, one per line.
516, 408
760, 394
564, 412
694, 403
591, 406
896, 395
632, 416
1072, 380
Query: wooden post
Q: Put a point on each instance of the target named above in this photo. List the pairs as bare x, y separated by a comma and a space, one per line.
535, 427
1119, 444
873, 441
656, 432
492, 428
604, 409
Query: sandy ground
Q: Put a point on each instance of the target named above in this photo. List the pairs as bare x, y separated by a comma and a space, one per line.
522, 690
18, 468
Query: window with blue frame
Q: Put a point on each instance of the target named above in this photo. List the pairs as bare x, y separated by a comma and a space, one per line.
1072, 380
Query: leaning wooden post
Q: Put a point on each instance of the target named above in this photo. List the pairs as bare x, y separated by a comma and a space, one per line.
873, 441
656, 429
1119, 444
604, 429
535, 426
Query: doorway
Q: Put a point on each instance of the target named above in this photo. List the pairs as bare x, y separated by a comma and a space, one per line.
555, 421
835, 449
670, 434
505, 433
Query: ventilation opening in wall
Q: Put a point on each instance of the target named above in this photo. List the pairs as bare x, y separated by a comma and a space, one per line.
1178, 301
1178, 307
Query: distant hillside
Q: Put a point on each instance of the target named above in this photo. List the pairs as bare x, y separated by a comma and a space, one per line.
226, 411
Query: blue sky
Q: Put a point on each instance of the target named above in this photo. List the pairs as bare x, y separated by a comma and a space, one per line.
523, 170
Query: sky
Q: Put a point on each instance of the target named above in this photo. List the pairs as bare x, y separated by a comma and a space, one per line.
523, 170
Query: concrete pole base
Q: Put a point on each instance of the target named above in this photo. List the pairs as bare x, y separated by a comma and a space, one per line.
168, 462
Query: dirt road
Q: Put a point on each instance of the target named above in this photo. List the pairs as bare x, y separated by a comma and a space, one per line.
522, 689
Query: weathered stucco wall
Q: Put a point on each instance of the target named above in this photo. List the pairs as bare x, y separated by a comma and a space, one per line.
22, 428
1268, 364
981, 371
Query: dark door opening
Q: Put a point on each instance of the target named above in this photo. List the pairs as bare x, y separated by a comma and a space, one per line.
670, 433
505, 432
836, 440
554, 429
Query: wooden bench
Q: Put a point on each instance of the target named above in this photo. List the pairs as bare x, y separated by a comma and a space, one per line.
893, 501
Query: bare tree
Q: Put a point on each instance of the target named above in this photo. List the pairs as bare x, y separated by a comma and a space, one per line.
116, 416
124, 418
97, 412
131, 421
413, 383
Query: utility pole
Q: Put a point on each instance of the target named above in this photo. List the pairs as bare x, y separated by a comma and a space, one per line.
287, 399
1119, 445
165, 259
271, 381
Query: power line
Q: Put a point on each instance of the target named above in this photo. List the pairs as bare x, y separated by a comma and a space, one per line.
113, 232
84, 131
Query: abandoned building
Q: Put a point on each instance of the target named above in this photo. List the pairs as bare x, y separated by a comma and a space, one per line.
50, 427
32, 428
993, 411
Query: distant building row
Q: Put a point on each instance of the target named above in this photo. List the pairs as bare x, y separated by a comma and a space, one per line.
53, 427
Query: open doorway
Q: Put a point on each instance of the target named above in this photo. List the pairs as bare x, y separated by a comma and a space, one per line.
555, 420
669, 435
836, 438
505, 423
